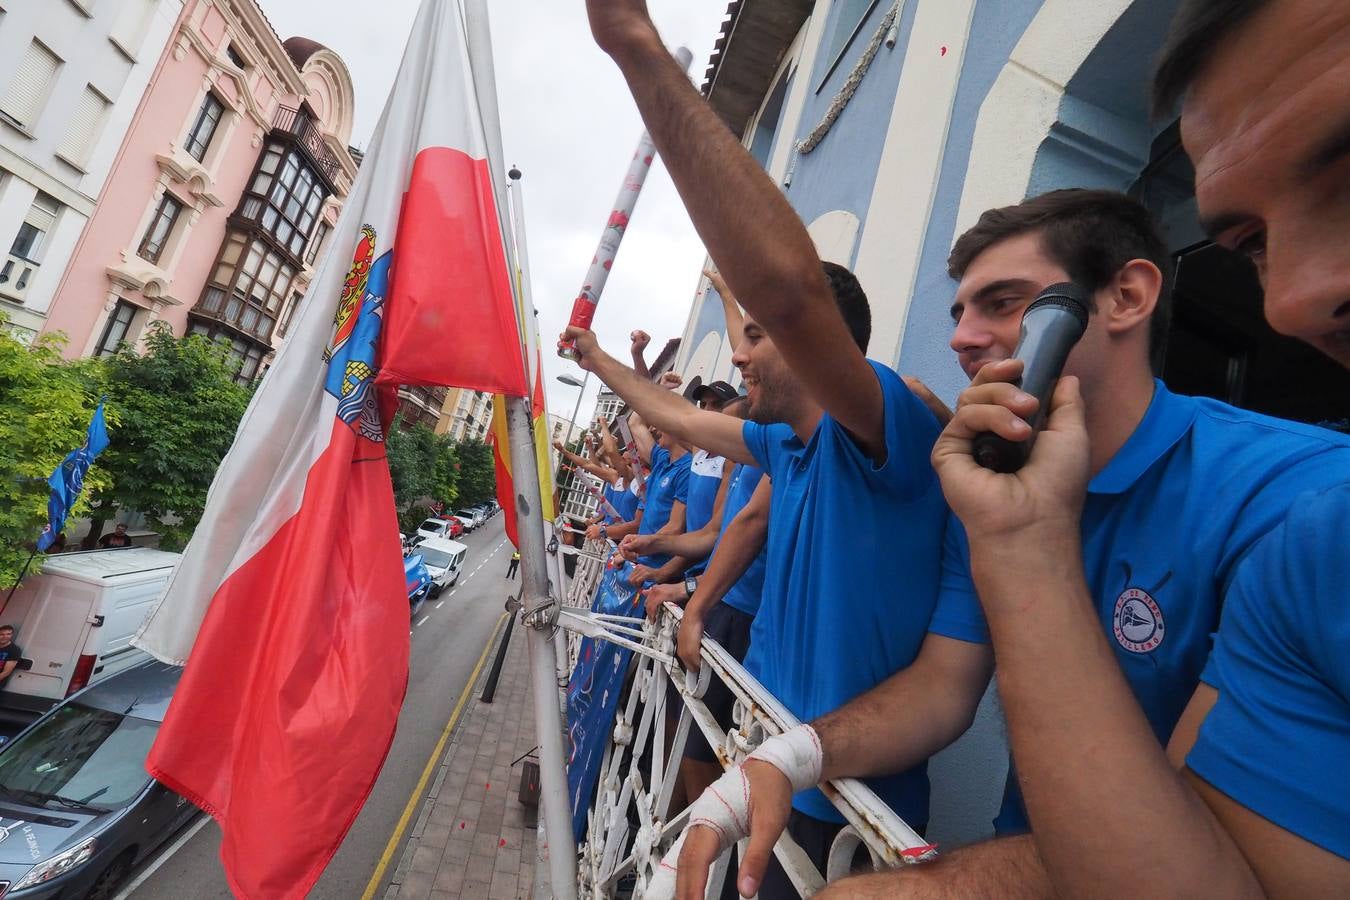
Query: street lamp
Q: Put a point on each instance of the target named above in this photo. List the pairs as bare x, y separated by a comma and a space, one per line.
570, 380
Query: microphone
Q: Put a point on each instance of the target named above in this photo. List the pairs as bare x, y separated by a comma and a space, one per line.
1051, 326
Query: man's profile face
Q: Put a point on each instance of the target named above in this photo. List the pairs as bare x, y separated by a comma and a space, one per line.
995, 291
1267, 125
769, 383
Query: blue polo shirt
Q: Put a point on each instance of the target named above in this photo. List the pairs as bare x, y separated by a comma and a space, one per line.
851, 575
744, 595
623, 499
1165, 526
705, 477
1278, 738
668, 483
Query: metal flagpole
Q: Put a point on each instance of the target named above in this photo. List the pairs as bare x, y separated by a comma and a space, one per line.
556, 845
541, 617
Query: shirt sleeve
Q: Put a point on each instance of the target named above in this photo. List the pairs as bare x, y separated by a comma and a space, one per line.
910, 431
1281, 667
756, 437
958, 614
680, 483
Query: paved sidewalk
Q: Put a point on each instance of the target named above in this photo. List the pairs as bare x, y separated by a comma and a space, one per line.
472, 837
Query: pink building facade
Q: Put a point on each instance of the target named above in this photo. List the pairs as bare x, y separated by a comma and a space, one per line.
222, 195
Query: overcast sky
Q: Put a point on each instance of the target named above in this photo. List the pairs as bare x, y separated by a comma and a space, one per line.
570, 125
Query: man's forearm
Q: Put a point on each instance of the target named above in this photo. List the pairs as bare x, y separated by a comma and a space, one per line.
620, 531
740, 544
1082, 744
752, 233
692, 545
1008, 868
924, 708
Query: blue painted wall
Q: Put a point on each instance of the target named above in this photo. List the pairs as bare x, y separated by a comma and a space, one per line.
995, 31
841, 172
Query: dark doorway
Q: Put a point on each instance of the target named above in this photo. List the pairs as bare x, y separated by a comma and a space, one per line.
1219, 344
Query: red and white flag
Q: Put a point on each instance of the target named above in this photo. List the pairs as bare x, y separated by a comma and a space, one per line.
289, 606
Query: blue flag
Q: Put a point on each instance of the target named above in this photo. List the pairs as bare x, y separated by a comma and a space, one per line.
68, 479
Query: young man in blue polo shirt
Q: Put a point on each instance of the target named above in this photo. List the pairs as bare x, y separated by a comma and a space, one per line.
1252, 798
846, 602
1182, 489
832, 622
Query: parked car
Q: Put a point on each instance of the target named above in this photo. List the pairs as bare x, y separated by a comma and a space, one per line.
472, 515
75, 622
83, 809
456, 526
435, 527
417, 579
444, 560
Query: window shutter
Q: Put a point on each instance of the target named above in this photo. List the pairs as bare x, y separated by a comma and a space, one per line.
86, 123
32, 83
133, 21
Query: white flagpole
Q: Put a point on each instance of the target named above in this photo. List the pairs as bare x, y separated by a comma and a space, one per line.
556, 847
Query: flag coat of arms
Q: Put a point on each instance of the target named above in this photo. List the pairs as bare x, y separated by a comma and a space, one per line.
288, 607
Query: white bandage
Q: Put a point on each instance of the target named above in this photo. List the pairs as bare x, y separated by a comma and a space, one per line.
724, 808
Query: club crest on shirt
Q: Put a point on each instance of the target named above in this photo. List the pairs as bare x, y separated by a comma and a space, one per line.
1138, 621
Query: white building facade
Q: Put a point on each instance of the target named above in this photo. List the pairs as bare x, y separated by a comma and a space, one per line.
72, 73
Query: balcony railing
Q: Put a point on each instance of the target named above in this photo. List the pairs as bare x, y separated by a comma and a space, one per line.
630, 824
16, 276
302, 128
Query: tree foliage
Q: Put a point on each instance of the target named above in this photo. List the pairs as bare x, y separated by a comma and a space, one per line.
178, 406
45, 406
477, 473
422, 465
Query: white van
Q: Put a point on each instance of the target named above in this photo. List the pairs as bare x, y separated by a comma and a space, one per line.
75, 621
444, 559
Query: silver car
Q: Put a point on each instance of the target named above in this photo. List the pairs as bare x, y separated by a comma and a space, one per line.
77, 809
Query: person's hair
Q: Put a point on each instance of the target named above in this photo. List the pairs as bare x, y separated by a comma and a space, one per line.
1091, 233
852, 300
9, 628
1198, 29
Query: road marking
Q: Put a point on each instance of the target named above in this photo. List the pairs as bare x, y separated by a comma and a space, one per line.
423, 622
163, 858
439, 605
396, 838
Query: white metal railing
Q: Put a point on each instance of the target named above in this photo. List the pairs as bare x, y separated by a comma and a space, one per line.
630, 826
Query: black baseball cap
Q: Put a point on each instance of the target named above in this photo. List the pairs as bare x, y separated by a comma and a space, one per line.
718, 391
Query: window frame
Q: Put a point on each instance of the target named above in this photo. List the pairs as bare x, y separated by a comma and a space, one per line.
101, 348
143, 250
198, 121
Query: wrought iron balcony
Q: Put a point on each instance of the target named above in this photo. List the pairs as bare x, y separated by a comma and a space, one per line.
301, 127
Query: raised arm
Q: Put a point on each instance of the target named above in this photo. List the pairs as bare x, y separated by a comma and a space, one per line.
638, 351
610, 448
730, 308
756, 239
643, 442
714, 432
604, 473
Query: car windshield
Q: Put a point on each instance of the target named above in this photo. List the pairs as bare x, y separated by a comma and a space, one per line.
435, 525
79, 757
438, 559
466, 513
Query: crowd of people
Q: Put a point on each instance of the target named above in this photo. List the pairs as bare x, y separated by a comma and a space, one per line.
1159, 589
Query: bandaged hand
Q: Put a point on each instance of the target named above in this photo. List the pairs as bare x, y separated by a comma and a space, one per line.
750, 800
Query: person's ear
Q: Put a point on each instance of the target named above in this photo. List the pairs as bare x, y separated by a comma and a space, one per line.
1132, 296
